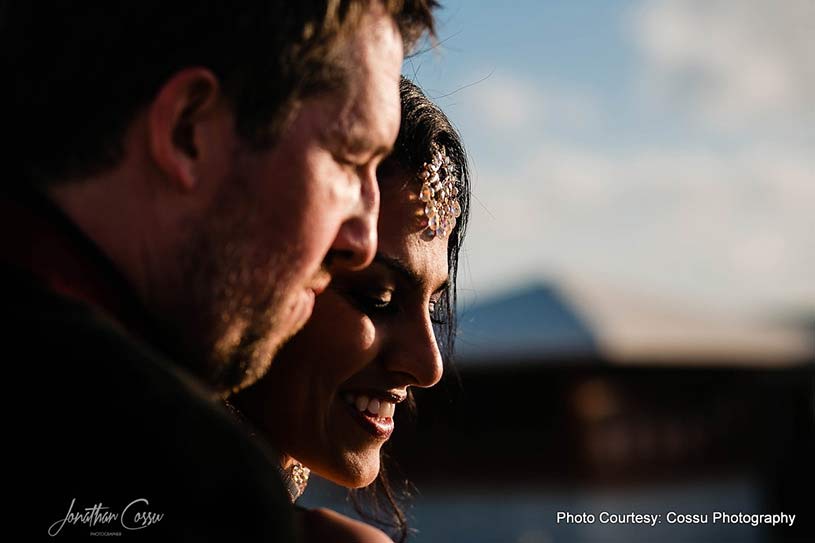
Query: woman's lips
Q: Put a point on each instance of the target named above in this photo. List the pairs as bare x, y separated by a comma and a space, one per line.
374, 414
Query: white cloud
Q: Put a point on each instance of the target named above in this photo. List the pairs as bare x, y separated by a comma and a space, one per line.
735, 228
507, 103
569, 182
731, 61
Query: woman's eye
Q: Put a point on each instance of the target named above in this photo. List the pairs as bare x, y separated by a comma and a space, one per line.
435, 317
379, 302
374, 303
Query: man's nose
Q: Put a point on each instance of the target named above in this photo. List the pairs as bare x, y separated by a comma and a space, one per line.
355, 245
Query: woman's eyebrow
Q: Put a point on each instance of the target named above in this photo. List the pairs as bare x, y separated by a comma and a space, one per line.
400, 268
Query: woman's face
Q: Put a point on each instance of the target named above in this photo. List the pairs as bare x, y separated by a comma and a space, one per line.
329, 397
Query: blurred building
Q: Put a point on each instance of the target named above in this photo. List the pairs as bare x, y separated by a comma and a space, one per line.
578, 399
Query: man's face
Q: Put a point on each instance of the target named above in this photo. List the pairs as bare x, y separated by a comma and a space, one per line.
287, 217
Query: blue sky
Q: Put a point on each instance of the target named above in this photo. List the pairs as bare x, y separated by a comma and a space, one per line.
660, 147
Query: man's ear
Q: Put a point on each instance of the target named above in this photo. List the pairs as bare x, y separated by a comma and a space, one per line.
173, 117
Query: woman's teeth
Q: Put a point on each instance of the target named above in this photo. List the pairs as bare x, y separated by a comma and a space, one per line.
374, 406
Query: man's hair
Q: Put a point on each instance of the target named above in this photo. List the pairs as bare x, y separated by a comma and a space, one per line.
77, 73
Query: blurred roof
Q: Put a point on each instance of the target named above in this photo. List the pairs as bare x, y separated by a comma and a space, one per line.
582, 322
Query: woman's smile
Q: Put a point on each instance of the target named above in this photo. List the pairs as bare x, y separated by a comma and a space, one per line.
373, 411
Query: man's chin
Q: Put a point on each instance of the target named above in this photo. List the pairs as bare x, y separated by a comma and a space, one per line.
261, 354
261, 359
260, 362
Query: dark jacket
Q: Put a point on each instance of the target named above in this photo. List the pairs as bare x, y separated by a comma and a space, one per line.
106, 417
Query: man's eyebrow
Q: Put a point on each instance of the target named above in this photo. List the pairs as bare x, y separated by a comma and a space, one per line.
354, 139
359, 141
409, 275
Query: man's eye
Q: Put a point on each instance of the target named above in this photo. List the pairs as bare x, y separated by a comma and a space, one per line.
347, 162
351, 161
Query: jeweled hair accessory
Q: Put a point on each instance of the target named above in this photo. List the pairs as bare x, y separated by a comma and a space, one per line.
439, 193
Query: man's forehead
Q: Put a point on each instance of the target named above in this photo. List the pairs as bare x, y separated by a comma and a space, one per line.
369, 118
362, 116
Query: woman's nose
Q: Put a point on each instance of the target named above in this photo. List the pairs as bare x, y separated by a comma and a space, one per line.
415, 353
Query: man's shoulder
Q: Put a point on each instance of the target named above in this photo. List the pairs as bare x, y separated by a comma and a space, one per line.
80, 351
117, 421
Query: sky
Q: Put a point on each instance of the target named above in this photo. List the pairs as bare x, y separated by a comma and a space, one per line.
662, 147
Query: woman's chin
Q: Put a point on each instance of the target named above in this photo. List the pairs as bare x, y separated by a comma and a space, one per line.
362, 483
353, 475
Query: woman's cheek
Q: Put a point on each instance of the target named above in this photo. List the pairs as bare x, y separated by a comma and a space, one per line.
359, 342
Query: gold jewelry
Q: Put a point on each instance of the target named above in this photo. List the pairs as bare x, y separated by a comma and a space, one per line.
295, 477
439, 193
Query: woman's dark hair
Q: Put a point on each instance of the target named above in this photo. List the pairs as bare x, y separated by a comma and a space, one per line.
423, 126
